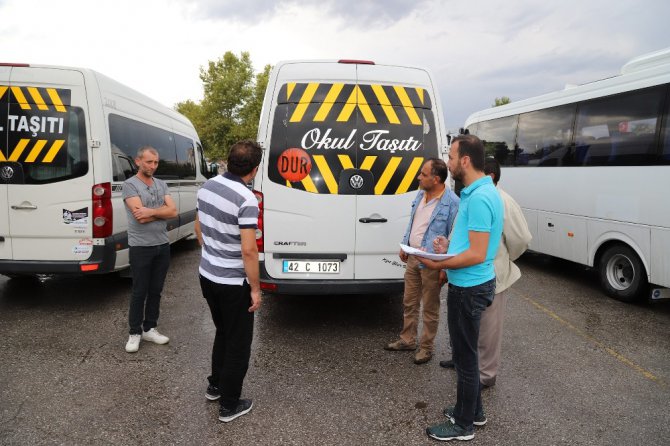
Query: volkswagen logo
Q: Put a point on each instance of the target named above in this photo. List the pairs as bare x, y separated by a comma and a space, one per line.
356, 181
7, 173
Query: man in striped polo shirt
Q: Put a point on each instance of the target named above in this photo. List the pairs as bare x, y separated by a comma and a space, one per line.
226, 227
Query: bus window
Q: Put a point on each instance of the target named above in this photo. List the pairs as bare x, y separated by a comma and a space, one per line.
498, 137
665, 148
185, 157
544, 136
618, 130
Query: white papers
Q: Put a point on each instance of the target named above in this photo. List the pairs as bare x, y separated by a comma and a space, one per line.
417, 252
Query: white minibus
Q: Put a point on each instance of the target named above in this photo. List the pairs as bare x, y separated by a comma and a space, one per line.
590, 166
68, 138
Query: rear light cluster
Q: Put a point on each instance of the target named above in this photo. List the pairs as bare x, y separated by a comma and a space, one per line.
260, 238
259, 232
102, 210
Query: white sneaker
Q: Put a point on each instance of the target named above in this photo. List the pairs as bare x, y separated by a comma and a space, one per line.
133, 343
154, 336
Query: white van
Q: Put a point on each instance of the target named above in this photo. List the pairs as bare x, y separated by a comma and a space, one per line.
68, 137
343, 145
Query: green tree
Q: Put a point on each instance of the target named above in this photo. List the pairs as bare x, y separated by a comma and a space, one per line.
501, 101
231, 105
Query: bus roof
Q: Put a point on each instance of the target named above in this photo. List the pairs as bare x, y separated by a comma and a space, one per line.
644, 71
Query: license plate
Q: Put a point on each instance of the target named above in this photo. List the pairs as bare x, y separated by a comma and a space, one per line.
311, 266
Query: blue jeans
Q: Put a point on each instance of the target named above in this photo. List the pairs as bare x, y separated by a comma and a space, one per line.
464, 310
148, 266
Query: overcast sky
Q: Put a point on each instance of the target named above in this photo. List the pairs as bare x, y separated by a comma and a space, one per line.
477, 50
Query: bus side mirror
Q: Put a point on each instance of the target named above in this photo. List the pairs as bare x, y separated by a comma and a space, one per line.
212, 170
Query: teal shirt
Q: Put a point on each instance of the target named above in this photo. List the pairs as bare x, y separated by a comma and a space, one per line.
480, 210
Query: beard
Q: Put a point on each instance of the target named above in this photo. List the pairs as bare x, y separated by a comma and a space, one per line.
457, 173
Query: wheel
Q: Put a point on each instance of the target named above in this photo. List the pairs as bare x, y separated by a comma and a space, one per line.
622, 274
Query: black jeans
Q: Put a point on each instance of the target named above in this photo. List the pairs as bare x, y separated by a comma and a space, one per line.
464, 310
148, 266
229, 305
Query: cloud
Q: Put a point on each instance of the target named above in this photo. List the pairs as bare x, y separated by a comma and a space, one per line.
354, 12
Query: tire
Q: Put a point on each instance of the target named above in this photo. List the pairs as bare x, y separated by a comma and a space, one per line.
622, 274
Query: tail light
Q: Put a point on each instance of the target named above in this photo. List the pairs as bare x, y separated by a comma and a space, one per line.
260, 243
271, 287
102, 210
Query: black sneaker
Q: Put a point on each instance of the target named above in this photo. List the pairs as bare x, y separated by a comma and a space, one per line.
448, 364
212, 393
243, 407
480, 418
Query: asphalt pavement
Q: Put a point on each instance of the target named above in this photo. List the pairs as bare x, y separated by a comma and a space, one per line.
578, 367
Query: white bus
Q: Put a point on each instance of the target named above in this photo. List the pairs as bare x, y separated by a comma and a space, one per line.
590, 166
68, 137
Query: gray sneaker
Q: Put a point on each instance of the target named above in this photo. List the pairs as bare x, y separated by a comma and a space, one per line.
243, 407
480, 418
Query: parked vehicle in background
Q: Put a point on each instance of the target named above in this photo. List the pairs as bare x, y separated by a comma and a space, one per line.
343, 144
68, 139
590, 165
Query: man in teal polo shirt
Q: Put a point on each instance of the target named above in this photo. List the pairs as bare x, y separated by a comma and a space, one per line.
474, 243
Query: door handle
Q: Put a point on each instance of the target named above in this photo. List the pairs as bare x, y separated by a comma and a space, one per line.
551, 225
372, 220
24, 206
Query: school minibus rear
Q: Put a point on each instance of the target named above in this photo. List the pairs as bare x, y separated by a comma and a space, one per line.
343, 145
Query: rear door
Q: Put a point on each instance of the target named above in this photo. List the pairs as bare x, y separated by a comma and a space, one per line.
398, 133
49, 194
346, 147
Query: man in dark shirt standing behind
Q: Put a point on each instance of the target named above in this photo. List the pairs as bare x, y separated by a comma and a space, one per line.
226, 227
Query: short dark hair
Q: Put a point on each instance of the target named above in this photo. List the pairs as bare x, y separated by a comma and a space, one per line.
491, 166
243, 157
470, 145
141, 150
438, 168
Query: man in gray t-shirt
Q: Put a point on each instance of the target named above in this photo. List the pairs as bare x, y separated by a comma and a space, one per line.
148, 206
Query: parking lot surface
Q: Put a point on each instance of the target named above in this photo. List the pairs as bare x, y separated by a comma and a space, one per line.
578, 367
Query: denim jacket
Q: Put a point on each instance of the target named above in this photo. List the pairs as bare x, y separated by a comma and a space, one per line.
441, 220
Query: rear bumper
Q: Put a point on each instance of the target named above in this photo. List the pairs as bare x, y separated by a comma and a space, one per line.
103, 255
323, 286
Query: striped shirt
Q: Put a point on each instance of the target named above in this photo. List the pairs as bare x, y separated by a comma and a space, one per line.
225, 205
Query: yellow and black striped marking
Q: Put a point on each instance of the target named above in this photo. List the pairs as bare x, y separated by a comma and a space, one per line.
385, 104
36, 98
34, 124
381, 185
382, 133
33, 151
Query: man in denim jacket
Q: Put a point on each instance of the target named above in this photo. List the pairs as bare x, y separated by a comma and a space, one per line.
433, 212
